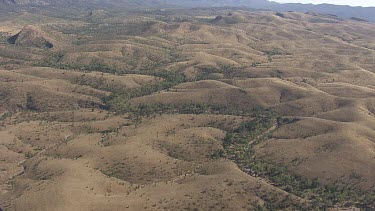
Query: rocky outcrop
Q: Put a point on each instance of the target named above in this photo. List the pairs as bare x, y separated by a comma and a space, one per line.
33, 37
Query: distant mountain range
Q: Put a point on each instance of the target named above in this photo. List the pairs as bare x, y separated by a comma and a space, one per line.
365, 13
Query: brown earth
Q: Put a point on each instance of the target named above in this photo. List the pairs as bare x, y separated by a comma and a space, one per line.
63, 148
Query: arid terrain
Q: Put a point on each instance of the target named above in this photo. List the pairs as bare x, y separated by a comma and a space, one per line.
179, 109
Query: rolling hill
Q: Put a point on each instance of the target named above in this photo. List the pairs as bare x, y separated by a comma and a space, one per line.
363, 13
168, 108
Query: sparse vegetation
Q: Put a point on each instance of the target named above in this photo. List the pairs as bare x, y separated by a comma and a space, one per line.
5, 115
239, 147
131, 102
30, 103
274, 52
280, 14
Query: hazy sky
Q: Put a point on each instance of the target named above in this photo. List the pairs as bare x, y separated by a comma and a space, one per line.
364, 3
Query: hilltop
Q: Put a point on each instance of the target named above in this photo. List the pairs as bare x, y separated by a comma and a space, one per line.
31, 36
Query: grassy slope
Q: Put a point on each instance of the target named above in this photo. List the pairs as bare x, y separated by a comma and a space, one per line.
181, 103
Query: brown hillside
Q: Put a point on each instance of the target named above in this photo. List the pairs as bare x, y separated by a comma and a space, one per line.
176, 109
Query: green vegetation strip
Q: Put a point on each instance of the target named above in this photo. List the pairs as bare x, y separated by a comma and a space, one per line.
239, 147
238, 144
119, 102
